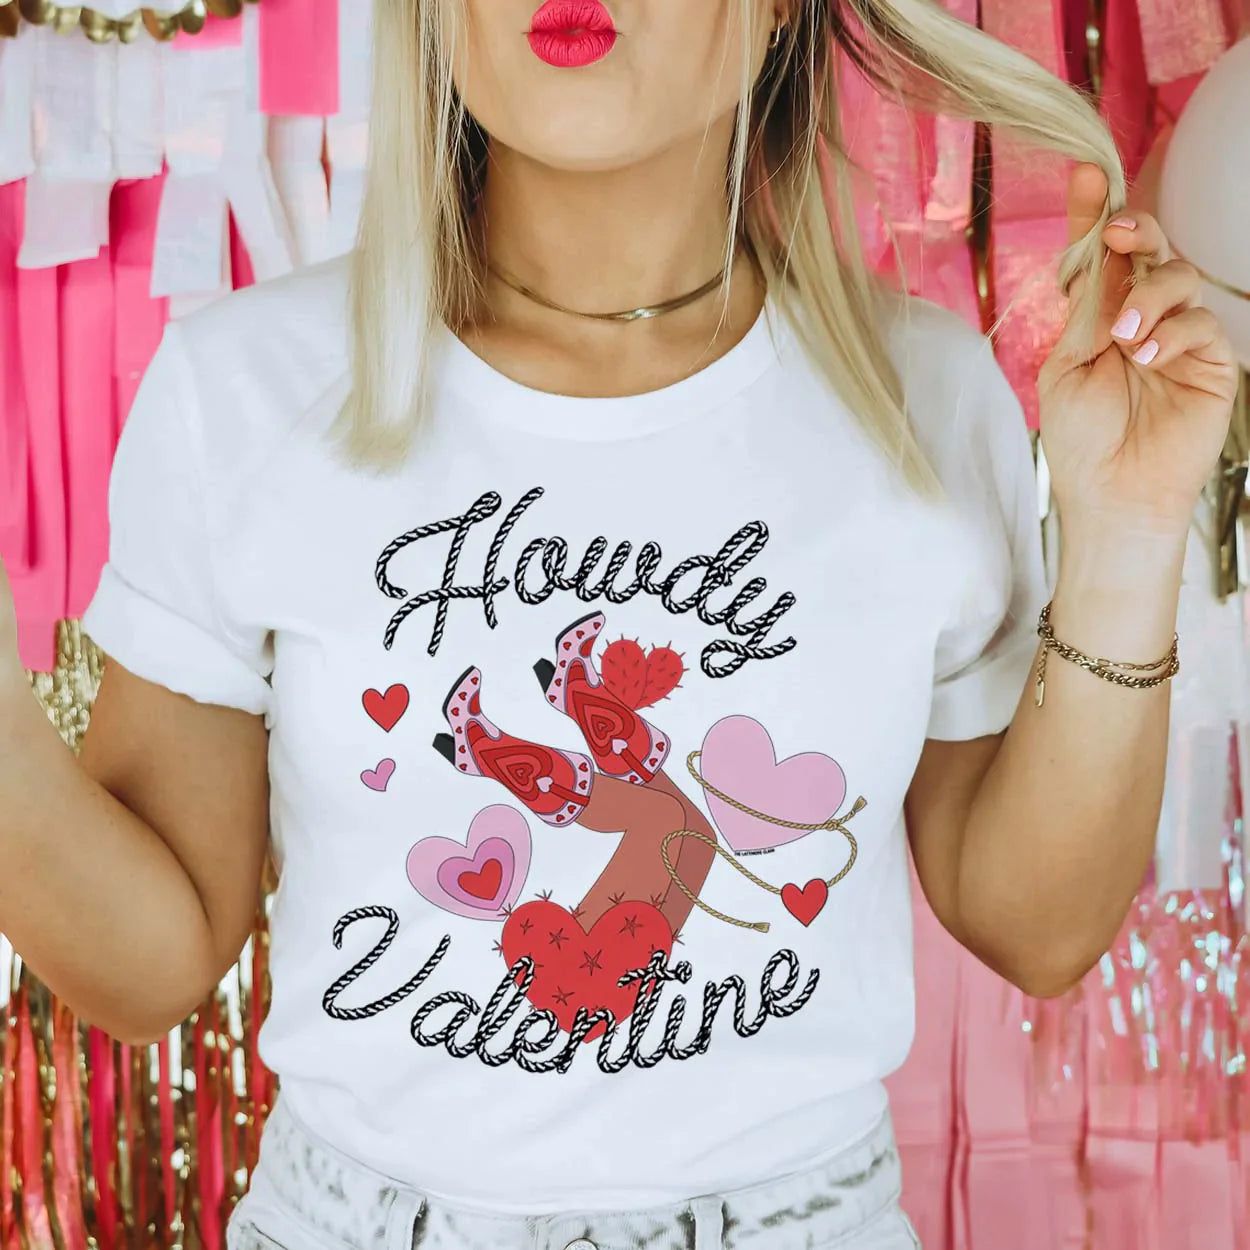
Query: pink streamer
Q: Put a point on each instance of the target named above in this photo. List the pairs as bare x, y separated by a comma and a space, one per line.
263, 1081
14, 436
138, 1157
913, 189
860, 109
40, 590
139, 320
1172, 97
67, 1128
102, 1104
1075, 17
1028, 183
1055, 1031
9, 1237
948, 203
1241, 1191
1127, 98
165, 1106
1120, 1163
941, 269
1024, 274
1181, 39
299, 57
922, 1094
29, 1130
208, 1143
86, 397
1196, 1194
995, 1157
218, 32
240, 261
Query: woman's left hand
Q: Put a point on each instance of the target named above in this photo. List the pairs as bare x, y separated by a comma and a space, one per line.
1132, 435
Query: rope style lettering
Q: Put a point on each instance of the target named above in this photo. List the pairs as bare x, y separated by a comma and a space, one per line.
534, 1040
362, 965
542, 570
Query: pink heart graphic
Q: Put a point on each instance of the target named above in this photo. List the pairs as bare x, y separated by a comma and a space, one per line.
480, 878
740, 761
379, 778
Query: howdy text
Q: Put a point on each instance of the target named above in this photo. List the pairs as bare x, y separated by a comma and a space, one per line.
543, 568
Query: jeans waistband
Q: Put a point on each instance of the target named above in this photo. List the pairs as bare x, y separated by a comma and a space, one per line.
306, 1192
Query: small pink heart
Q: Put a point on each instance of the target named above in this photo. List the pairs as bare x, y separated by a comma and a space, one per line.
480, 878
740, 761
378, 778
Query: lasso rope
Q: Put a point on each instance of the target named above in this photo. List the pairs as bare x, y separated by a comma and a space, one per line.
834, 823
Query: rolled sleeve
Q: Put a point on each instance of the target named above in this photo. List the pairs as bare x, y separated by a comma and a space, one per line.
986, 652
157, 644
158, 610
982, 699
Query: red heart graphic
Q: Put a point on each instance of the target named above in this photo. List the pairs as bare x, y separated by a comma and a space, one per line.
805, 904
639, 678
574, 968
386, 709
485, 883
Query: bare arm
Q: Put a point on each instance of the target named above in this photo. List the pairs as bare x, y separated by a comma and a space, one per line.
131, 874
1030, 847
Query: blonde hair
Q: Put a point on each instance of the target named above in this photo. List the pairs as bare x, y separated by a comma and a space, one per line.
416, 263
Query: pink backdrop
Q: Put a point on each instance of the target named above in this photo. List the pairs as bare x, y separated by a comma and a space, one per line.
1112, 1119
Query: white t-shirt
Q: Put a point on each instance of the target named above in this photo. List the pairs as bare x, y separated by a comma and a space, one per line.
500, 680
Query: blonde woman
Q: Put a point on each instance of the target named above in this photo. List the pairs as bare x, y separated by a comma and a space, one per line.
590, 588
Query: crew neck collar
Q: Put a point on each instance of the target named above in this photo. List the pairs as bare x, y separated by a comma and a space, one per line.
505, 401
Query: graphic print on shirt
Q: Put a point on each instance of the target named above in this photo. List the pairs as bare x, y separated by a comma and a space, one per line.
750, 639
480, 879
584, 955
589, 967
386, 711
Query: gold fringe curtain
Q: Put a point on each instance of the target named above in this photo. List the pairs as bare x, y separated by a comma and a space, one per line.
113, 1146
99, 28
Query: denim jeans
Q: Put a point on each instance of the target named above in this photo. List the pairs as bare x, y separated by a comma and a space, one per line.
306, 1195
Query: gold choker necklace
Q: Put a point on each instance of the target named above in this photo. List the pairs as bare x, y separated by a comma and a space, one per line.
630, 314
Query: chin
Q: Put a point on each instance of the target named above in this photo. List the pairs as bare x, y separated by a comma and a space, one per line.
578, 148
586, 162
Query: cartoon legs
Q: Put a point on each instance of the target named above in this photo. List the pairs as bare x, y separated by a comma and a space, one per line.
621, 787
636, 872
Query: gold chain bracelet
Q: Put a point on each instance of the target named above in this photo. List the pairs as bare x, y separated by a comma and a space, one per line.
1132, 676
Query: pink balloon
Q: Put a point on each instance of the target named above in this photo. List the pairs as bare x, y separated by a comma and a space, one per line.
1205, 190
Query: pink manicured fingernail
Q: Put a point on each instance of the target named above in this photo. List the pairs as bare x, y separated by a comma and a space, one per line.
1128, 324
1146, 352
1127, 222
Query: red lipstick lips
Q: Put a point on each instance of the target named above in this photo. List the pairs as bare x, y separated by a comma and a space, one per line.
570, 34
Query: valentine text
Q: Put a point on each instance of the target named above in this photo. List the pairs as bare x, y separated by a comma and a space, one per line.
509, 1030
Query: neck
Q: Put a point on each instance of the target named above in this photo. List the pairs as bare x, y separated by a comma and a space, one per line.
603, 241
608, 241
